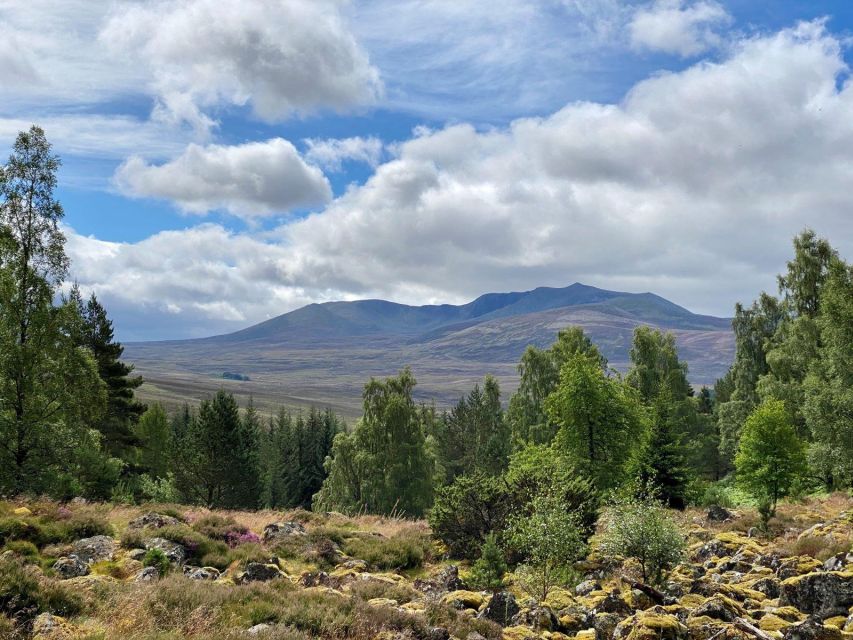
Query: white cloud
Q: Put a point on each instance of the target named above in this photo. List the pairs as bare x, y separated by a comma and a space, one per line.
249, 180
279, 57
678, 27
691, 187
331, 153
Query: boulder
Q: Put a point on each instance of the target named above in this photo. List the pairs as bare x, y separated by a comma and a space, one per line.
716, 513
811, 629
605, 624
838, 562
278, 531
94, 549
538, 617
462, 599
47, 626
153, 521
258, 572
719, 607
201, 573
614, 603
501, 608
654, 624
444, 581
587, 586
823, 594
70, 567
174, 552
148, 574
770, 587
259, 629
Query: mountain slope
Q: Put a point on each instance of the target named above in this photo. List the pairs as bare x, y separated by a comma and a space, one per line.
323, 353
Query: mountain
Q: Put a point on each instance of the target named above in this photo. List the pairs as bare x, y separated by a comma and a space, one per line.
323, 353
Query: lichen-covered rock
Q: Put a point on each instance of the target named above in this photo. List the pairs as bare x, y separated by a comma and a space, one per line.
70, 567
821, 593
716, 513
604, 625
462, 599
258, 572
838, 562
654, 624
811, 629
587, 586
94, 549
770, 587
47, 626
201, 573
258, 629
539, 617
153, 520
719, 607
446, 580
279, 531
614, 603
501, 608
148, 574
173, 551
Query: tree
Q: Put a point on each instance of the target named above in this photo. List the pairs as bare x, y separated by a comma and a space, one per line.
489, 570
550, 539
600, 419
155, 437
643, 530
383, 466
655, 367
801, 286
539, 373
770, 457
123, 410
474, 435
50, 391
209, 453
246, 470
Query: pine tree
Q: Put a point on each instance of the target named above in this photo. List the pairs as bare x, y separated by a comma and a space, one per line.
155, 441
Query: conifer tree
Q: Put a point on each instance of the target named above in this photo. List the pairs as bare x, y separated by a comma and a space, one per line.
155, 441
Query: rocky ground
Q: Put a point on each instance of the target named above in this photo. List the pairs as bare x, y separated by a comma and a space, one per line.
298, 575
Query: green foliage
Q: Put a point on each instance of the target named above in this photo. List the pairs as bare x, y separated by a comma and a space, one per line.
549, 538
539, 373
474, 436
23, 596
197, 544
467, 510
154, 434
644, 531
157, 558
770, 457
383, 465
489, 570
405, 550
132, 539
600, 419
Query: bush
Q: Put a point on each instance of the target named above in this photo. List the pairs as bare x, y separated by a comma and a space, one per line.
196, 544
132, 539
13, 528
405, 550
23, 549
467, 510
76, 526
23, 596
219, 527
488, 572
643, 530
157, 559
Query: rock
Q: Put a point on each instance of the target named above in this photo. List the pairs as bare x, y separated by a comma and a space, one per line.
538, 617
719, 607
444, 581
259, 629
94, 549
174, 552
278, 531
716, 513
22, 512
257, 572
462, 599
838, 562
605, 624
136, 554
768, 586
148, 574
614, 603
201, 573
501, 608
438, 633
70, 567
811, 629
823, 594
654, 624
47, 626
475, 636
382, 602
153, 521
587, 586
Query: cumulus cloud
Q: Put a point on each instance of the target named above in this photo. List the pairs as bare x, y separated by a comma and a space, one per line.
331, 153
678, 27
692, 187
279, 57
249, 180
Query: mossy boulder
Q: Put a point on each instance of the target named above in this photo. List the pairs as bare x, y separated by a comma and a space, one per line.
462, 599
651, 625
821, 593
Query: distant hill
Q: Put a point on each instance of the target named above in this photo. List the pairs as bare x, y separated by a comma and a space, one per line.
323, 353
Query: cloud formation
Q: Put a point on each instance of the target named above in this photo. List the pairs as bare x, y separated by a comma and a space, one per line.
331, 153
280, 58
251, 180
678, 27
692, 187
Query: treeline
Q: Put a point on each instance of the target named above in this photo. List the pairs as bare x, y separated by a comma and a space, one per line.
70, 424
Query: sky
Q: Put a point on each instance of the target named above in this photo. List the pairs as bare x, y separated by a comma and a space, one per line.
226, 161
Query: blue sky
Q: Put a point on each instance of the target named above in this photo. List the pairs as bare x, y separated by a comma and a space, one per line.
228, 161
